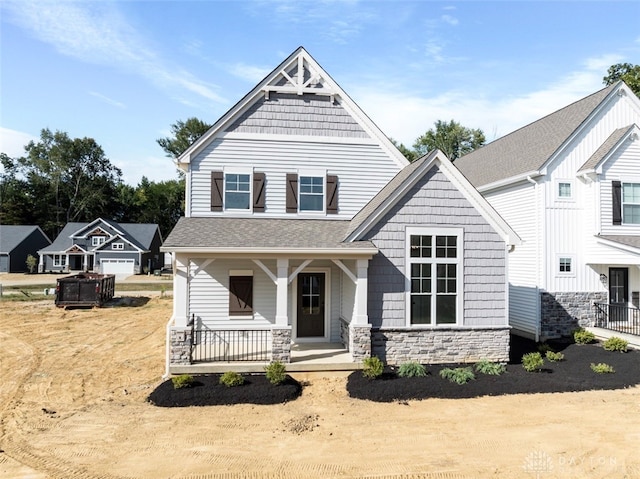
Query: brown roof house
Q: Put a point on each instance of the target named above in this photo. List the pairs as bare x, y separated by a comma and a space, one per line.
306, 228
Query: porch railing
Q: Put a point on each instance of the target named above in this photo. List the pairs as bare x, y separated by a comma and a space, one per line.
223, 345
617, 318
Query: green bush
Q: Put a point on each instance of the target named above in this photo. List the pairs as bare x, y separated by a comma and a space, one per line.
532, 362
602, 368
231, 379
412, 369
458, 375
582, 336
544, 347
372, 367
276, 372
554, 357
182, 381
615, 343
487, 367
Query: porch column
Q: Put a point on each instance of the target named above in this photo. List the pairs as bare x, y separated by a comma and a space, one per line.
361, 315
282, 285
180, 285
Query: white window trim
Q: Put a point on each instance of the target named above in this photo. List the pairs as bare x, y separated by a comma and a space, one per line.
327, 306
57, 260
95, 240
565, 274
459, 261
237, 171
315, 174
117, 246
572, 186
622, 202
243, 272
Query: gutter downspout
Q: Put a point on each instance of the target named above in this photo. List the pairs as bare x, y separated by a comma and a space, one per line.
539, 319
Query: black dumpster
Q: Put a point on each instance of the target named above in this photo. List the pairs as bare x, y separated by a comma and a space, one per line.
85, 289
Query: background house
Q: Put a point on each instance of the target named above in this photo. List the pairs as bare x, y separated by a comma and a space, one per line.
104, 246
17, 242
569, 184
299, 225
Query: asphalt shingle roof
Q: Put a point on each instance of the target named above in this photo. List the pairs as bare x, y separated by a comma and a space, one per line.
12, 235
528, 148
605, 148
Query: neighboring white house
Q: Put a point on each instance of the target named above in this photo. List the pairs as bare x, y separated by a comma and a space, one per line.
303, 223
569, 185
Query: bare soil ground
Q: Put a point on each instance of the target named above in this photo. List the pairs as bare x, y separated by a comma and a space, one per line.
74, 383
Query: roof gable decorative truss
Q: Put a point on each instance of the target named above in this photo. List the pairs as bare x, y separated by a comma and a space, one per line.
75, 249
300, 76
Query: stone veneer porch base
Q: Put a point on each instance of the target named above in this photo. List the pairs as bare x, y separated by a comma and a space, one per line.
441, 345
563, 313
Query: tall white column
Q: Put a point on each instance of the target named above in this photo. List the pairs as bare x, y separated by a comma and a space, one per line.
361, 315
180, 293
282, 286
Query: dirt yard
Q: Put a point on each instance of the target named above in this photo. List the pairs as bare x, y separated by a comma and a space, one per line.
73, 386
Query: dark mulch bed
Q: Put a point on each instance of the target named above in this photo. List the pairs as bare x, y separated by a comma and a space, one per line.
571, 374
207, 391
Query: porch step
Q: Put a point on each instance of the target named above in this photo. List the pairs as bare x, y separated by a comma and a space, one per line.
248, 367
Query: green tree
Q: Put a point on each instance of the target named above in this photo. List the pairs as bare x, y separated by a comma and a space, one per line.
67, 180
627, 72
184, 134
453, 139
408, 154
161, 203
15, 200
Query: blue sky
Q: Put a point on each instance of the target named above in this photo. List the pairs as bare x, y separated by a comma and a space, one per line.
123, 72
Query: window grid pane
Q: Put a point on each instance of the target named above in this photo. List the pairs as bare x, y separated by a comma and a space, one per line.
311, 193
446, 246
564, 190
237, 190
565, 265
420, 246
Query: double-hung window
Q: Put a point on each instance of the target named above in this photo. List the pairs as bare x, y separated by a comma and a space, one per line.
237, 191
311, 193
97, 240
631, 203
59, 260
434, 276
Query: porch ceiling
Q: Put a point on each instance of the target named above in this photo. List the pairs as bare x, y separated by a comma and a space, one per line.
264, 235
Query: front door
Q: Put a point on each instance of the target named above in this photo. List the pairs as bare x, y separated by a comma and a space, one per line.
310, 314
618, 293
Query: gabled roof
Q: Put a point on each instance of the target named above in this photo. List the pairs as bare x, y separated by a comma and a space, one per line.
527, 150
607, 148
398, 187
12, 235
247, 235
88, 228
310, 78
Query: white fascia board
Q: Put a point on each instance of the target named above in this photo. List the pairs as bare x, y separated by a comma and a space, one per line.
630, 135
362, 253
509, 181
618, 246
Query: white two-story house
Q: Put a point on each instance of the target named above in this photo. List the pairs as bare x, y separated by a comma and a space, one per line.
569, 185
304, 223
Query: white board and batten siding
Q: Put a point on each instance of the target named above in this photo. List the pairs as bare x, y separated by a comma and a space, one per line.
362, 169
520, 206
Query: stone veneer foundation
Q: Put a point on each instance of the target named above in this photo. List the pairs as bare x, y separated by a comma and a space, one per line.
562, 313
281, 344
441, 345
180, 345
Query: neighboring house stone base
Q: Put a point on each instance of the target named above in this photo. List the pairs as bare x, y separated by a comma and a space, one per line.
180, 345
441, 345
281, 344
562, 313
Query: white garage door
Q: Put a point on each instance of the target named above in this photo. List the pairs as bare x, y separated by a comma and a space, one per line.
119, 267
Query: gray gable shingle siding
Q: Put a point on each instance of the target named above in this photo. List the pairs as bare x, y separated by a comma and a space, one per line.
298, 115
527, 149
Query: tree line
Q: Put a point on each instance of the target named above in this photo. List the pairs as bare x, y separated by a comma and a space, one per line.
61, 179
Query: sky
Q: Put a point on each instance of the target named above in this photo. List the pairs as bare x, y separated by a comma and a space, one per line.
122, 72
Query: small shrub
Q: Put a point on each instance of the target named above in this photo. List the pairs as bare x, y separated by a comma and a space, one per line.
458, 375
412, 369
276, 372
582, 336
372, 367
231, 379
544, 347
493, 369
602, 368
615, 343
532, 362
182, 381
554, 357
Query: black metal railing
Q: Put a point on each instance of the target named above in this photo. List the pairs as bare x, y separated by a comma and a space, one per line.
617, 318
224, 345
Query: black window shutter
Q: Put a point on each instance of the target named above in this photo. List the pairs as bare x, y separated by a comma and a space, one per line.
332, 194
292, 193
240, 295
616, 190
217, 187
258, 192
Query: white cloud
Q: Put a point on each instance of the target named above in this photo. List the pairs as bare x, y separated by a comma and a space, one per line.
108, 100
250, 73
450, 20
96, 32
12, 142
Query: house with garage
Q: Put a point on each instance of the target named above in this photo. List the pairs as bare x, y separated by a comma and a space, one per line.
17, 242
104, 246
569, 185
304, 224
